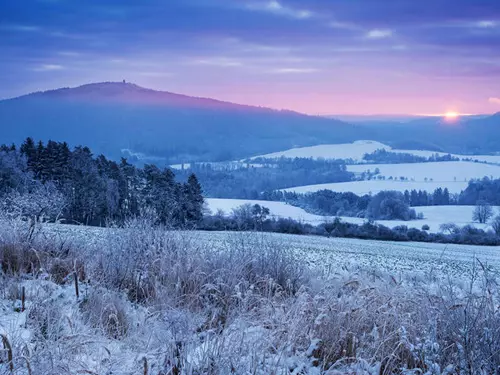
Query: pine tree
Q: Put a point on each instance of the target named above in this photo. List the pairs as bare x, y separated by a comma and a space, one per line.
446, 197
194, 199
407, 197
28, 149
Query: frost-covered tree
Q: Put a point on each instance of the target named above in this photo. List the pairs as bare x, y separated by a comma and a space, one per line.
95, 189
482, 212
450, 228
495, 223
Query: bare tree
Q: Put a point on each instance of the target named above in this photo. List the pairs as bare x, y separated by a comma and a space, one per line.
495, 223
451, 228
483, 212
44, 201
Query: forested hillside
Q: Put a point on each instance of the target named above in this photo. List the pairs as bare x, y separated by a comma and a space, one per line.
161, 127
55, 181
122, 119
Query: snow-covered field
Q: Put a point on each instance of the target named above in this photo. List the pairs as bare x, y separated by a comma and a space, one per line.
330, 254
434, 216
358, 149
219, 165
375, 186
277, 209
354, 151
438, 172
244, 303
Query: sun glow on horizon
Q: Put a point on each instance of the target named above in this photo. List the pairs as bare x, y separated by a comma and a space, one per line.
451, 115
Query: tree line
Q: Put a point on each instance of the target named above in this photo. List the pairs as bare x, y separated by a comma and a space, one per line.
252, 180
256, 218
383, 156
329, 203
90, 190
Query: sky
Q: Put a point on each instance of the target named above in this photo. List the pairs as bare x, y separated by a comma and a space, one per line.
356, 57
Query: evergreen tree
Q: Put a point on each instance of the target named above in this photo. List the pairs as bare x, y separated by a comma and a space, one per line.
446, 197
407, 197
28, 149
97, 189
193, 196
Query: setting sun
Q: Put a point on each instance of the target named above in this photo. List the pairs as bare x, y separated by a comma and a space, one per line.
451, 115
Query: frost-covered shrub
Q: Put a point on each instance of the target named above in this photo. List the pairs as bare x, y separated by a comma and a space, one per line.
245, 304
105, 311
147, 262
45, 319
17, 258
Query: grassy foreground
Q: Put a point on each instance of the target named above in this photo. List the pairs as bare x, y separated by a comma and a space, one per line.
146, 300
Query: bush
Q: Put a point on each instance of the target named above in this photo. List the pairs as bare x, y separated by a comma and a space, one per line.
426, 227
390, 205
495, 224
18, 259
105, 311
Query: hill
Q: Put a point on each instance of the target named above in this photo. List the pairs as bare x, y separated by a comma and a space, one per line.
123, 119
465, 135
115, 118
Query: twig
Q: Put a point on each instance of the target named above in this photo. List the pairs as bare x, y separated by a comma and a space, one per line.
8, 347
23, 299
77, 291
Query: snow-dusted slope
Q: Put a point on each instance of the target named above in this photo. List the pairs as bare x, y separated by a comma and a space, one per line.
434, 216
482, 158
278, 209
354, 151
358, 149
375, 186
440, 171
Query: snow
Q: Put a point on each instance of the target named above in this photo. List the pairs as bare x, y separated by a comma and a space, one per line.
219, 165
438, 171
365, 281
353, 151
495, 159
335, 254
277, 209
375, 186
181, 167
434, 216
453, 175
358, 149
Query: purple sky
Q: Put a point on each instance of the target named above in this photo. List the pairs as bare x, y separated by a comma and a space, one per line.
314, 56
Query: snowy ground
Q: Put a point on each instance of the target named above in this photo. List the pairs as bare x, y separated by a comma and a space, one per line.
356, 151
452, 171
219, 165
277, 209
375, 186
434, 216
333, 254
384, 294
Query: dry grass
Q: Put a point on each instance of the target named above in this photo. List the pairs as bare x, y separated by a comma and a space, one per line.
159, 302
105, 311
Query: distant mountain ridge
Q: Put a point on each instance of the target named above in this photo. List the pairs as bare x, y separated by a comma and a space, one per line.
154, 126
112, 116
130, 93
